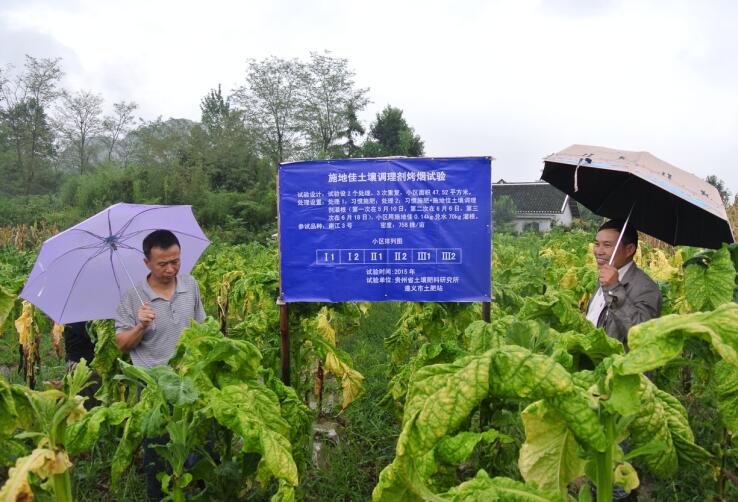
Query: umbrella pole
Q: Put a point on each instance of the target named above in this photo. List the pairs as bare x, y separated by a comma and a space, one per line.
153, 323
620, 237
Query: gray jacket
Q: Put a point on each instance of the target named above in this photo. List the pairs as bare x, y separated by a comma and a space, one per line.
634, 300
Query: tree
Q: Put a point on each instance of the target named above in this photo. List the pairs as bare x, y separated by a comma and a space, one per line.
118, 125
353, 128
79, 120
23, 103
215, 111
503, 211
390, 134
271, 103
225, 147
721, 188
329, 91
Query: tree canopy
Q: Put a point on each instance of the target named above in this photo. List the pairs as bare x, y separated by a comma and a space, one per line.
66, 153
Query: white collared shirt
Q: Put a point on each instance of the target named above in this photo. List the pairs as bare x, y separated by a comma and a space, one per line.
598, 302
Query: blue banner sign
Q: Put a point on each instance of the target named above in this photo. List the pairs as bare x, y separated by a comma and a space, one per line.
385, 230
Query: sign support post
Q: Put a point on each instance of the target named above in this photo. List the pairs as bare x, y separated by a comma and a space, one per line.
284, 344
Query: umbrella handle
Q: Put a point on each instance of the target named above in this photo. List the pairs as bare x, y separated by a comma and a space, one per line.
153, 322
620, 237
576, 175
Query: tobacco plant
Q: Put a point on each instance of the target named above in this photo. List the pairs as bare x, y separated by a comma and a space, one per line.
44, 419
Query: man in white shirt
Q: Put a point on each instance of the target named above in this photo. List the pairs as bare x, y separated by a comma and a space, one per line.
626, 296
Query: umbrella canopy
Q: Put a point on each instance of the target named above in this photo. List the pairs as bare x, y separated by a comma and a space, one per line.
667, 202
80, 273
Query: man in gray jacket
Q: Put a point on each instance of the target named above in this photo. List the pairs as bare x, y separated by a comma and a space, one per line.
626, 296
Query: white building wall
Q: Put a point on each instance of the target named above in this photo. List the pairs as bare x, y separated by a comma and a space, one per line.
543, 222
565, 218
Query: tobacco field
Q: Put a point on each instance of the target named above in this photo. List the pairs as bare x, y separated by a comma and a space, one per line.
390, 401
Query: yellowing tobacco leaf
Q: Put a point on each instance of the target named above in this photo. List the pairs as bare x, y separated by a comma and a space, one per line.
352, 382
678, 259
24, 326
626, 476
549, 454
323, 325
225, 287
569, 279
590, 260
659, 267
57, 333
41, 461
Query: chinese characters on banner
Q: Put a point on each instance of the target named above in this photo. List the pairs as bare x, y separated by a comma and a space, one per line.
385, 230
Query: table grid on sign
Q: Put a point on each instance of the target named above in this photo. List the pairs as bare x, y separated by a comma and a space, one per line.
369, 256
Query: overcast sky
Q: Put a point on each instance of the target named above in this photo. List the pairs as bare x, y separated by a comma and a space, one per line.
515, 79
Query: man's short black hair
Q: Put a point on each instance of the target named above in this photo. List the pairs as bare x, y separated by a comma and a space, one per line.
162, 239
629, 237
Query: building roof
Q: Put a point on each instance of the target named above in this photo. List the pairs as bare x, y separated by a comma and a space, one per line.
535, 197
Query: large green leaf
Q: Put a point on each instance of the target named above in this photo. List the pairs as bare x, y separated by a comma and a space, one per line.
128, 445
204, 354
709, 279
651, 424
733, 248
7, 299
516, 372
656, 342
725, 386
8, 412
83, 434
253, 412
485, 489
106, 350
293, 410
442, 396
177, 390
663, 420
439, 398
595, 344
456, 449
549, 454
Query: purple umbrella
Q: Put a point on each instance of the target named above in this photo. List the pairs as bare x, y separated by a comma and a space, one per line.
80, 273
